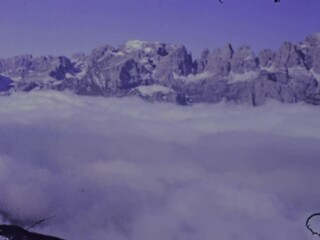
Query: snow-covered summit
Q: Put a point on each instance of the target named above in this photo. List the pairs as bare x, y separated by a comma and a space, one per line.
135, 45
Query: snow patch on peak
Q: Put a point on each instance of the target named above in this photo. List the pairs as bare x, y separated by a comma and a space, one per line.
135, 44
152, 89
148, 49
298, 70
241, 77
270, 69
118, 53
69, 75
315, 75
193, 77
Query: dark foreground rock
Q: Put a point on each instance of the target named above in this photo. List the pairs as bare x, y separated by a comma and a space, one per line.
13, 232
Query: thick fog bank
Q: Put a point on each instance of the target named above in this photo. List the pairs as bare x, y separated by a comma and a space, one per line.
123, 169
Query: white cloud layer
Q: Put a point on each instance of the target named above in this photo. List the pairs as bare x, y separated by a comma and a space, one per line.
123, 169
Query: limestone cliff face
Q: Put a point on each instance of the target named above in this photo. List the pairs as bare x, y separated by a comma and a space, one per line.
166, 72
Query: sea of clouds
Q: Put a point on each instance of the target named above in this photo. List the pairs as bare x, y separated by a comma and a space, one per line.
124, 169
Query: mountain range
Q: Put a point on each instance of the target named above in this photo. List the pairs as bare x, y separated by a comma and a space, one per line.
168, 73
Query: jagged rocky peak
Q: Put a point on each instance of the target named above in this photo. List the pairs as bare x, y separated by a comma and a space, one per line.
289, 55
141, 49
166, 72
266, 58
316, 60
138, 45
311, 48
313, 39
216, 62
159, 59
227, 51
16, 64
161, 49
201, 63
244, 60
156, 52
205, 53
27, 67
101, 52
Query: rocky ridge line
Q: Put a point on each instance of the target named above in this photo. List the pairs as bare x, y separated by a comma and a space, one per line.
167, 72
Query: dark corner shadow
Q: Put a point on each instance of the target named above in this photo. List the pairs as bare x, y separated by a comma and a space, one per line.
14, 232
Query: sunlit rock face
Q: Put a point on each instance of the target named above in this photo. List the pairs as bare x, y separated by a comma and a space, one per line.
290, 74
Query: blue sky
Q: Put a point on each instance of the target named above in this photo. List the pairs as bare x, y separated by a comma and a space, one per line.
58, 27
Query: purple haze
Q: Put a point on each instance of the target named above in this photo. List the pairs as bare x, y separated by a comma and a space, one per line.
67, 26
